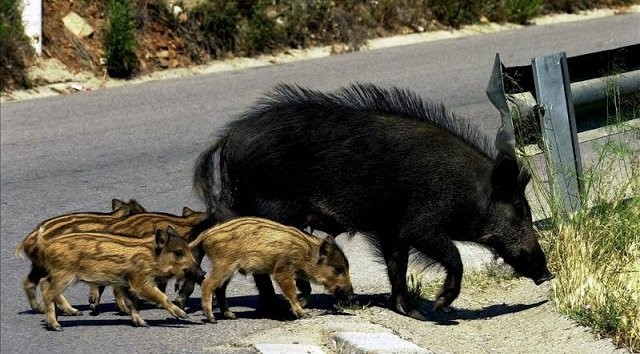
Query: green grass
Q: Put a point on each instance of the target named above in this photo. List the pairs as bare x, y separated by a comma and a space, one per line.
120, 40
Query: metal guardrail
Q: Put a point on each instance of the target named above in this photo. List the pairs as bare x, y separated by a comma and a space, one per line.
548, 91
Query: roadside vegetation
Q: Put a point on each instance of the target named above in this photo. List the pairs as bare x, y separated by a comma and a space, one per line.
151, 35
15, 47
595, 252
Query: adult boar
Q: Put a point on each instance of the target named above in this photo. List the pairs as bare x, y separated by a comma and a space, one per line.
383, 162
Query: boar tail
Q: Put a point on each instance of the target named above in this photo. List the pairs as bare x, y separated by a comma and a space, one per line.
206, 177
20, 249
195, 243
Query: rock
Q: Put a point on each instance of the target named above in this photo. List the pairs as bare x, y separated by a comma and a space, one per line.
51, 71
77, 25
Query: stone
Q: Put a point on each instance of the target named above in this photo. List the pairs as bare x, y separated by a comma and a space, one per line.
77, 25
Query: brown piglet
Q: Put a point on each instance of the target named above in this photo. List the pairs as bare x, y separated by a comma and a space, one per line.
68, 223
133, 264
259, 246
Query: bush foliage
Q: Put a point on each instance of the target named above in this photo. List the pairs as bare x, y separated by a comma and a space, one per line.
120, 40
225, 28
15, 46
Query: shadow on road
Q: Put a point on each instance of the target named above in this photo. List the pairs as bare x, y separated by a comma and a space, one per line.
451, 315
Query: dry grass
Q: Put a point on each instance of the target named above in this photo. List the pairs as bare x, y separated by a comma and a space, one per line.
595, 253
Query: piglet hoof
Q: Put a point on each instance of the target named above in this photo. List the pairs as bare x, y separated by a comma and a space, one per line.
211, 319
74, 312
94, 311
177, 312
139, 322
229, 315
303, 300
180, 302
55, 328
38, 308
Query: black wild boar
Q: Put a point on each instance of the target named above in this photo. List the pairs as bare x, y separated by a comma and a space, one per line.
383, 162
64, 224
120, 261
260, 246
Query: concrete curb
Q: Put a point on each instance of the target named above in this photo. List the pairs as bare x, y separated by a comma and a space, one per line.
379, 343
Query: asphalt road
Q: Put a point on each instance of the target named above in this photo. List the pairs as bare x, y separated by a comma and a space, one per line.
75, 153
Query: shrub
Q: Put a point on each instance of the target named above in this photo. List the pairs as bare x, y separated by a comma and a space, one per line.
120, 40
15, 46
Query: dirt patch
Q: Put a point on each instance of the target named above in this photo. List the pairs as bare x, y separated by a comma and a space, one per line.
511, 317
159, 47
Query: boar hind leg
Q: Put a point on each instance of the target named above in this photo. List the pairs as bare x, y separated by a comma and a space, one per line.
123, 298
95, 293
441, 249
30, 285
52, 288
223, 304
130, 301
142, 289
216, 281
396, 257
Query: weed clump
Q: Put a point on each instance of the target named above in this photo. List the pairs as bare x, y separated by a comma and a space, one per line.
120, 40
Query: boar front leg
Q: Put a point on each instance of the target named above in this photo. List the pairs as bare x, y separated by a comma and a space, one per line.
285, 278
441, 249
396, 257
142, 288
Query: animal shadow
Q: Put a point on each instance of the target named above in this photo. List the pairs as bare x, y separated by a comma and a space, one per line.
451, 315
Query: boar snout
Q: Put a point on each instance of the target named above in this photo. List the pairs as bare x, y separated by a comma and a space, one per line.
343, 294
543, 278
195, 273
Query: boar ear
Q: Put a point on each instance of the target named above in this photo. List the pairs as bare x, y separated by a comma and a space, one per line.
116, 204
162, 238
504, 177
186, 211
326, 247
136, 208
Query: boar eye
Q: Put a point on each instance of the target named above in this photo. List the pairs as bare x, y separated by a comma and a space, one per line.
339, 270
179, 253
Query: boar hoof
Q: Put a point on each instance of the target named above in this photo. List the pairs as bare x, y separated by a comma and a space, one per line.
94, 311
229, 315
211, 320
441, 304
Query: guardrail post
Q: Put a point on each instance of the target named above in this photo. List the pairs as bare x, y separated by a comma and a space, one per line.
557, 121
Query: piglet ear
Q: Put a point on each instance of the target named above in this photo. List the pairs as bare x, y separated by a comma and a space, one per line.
186, 211
162, 238
504, 177
326, 247
116, 204
136, 208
